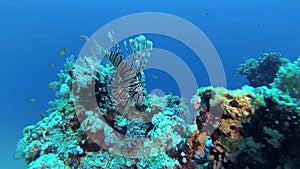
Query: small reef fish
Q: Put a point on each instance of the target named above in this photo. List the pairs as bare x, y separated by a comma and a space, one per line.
63, 51
32, 101
42, 115
85, 37
51, 65
154, 76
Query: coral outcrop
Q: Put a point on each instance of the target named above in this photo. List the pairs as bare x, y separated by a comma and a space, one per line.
288, 79
232, 129
261, 72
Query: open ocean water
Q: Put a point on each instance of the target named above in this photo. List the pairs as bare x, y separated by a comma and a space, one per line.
34, 32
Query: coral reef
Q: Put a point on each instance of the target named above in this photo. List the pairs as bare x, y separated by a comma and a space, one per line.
89, 127
257, 134
288, 79
80, 134
261, 72
273, 71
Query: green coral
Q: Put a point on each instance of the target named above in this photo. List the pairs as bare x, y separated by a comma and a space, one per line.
262, 72
47, 161
160, 161
276, 95
246, 68
288, 79
276, 137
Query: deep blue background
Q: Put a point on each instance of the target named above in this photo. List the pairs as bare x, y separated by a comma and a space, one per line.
32, 32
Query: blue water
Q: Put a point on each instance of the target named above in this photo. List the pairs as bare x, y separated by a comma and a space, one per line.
32, 32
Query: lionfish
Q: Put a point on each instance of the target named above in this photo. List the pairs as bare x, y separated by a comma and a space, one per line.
128, 80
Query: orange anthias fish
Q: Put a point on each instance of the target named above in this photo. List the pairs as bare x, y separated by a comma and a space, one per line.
62, 51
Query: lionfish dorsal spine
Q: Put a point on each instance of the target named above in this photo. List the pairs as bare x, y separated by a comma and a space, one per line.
114, 58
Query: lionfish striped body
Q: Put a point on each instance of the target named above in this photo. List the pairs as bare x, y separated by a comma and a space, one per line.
126, 83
